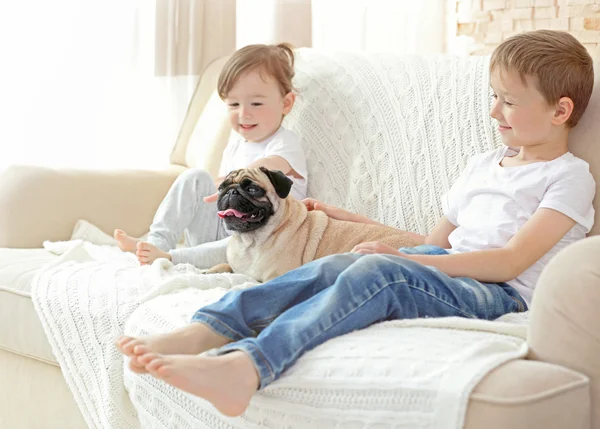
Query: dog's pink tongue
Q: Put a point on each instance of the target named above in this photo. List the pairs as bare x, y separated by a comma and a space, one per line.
229, 212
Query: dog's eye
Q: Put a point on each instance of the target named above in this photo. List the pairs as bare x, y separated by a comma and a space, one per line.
252, 189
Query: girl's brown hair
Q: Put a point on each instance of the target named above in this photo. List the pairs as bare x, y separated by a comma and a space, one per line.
275, 61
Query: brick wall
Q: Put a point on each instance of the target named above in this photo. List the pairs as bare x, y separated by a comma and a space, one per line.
482, 24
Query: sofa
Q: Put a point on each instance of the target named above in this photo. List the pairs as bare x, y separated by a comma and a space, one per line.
557, 385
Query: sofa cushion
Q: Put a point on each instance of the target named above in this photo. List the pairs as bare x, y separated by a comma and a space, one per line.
20, 328
35, 395
530, 394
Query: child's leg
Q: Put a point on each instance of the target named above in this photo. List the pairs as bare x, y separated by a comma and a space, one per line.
182, 210
199, 337
321, 300
229, 381
192, 339
305, 307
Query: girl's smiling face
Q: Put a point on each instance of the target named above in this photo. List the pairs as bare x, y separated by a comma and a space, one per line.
256, 106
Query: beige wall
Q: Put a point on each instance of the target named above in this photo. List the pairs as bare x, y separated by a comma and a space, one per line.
483, 24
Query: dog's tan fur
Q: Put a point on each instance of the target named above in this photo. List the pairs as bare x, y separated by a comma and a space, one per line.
294, 236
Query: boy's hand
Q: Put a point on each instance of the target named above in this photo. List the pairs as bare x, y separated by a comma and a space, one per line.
211, 198
331, 211
373, 247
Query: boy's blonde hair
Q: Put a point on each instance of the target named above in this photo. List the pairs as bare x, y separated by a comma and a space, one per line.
560, 64
275, 61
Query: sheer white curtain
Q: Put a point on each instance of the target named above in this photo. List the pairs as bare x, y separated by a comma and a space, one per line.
97, 84
274, 21
405, 26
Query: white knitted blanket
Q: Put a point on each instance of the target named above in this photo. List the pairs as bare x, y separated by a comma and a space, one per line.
385, 136
83, 300
401, 374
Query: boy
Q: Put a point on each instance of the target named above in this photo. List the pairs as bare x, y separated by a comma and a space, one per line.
509, 212
256, 84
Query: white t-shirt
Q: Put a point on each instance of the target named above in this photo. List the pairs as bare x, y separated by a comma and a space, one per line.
490, 203
240, 153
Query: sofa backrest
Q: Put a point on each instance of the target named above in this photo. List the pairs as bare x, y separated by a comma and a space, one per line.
584, 140
204, 130
385, 135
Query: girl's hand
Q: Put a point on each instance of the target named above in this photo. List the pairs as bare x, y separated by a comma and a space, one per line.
331, 211
373, 247
219, 180
211, 198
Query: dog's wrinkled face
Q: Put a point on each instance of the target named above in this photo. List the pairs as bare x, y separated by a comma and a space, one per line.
249, 197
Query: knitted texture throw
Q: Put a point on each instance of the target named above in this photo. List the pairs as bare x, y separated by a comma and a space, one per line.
387, 135
400, 374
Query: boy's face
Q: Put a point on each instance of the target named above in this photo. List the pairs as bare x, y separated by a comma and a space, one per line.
523, 114
256, 106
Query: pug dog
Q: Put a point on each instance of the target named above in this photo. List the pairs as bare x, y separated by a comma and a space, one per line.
273, 233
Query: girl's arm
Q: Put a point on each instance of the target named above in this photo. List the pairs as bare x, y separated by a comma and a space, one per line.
275, 162
539, 234
219, 180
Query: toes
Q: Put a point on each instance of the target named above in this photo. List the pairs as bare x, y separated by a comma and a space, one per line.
147, 358
126, 344
136, 367
119, 233
152, 362
121, 341
141, 349
142, 257
142, 245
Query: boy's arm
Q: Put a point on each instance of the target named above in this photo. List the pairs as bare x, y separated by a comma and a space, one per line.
539, 234
440, 233
345, 215
438, 237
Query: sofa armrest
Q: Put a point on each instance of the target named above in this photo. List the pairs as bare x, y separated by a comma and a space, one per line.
38, 203
565, 314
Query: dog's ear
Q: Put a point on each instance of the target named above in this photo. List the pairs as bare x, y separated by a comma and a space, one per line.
280, 181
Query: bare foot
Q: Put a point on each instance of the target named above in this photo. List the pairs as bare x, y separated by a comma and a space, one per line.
228, 381
125, 242
148, 253
192, 339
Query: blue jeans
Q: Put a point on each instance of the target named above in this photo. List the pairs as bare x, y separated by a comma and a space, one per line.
276, 322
